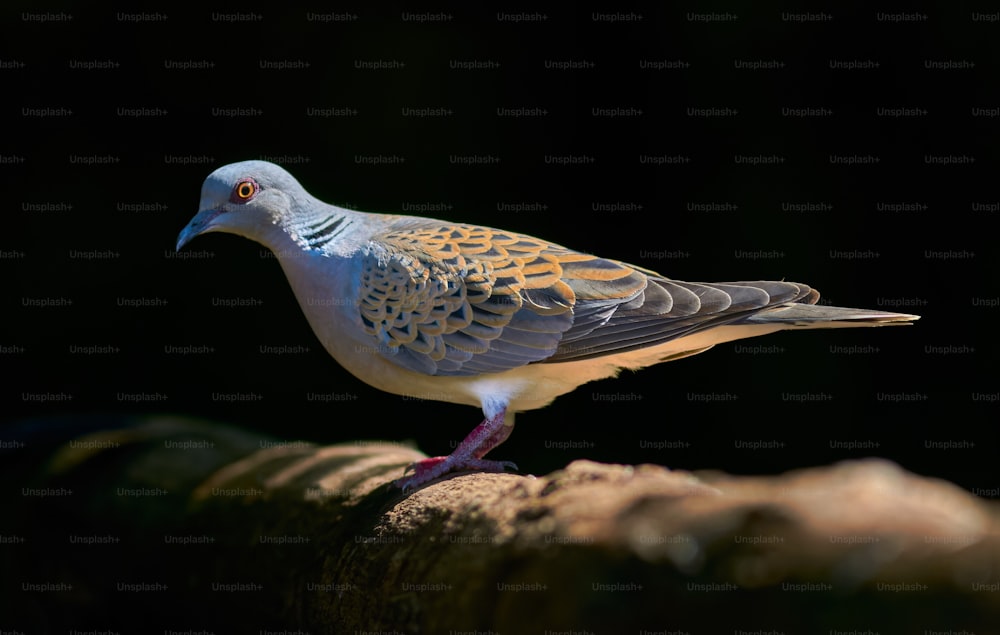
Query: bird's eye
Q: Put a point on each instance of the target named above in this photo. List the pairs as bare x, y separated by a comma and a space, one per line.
244, 191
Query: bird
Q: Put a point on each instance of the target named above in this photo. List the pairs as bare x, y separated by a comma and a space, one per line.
499, 320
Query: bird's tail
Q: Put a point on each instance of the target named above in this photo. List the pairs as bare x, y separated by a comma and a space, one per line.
798, 315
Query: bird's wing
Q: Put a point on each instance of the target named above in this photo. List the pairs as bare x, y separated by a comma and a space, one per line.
446, 299
443, 299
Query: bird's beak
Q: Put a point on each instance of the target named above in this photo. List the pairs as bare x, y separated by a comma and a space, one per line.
201, 223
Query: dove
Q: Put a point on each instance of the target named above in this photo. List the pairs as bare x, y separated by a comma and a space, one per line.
473, 315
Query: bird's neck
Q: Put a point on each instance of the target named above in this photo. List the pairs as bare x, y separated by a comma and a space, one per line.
325, 229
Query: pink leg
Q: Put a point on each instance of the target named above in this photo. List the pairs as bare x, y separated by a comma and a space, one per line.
467, 456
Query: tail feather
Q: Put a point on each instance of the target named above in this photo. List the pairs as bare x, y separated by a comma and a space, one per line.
822, 316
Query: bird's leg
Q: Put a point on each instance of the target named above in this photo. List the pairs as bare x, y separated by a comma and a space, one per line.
467, 456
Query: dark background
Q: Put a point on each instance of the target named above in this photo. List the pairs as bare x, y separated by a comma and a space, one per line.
104, 149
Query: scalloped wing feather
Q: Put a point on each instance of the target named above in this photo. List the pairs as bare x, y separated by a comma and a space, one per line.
461, 300
443, 299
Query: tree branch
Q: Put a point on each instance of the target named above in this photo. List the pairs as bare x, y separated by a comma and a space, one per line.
191, 525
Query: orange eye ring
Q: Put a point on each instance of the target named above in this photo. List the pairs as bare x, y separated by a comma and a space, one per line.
244, 191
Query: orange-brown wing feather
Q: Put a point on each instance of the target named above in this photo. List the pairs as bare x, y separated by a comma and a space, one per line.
446, 299
463, 300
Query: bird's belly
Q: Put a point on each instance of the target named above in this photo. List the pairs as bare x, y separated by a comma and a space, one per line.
527, 387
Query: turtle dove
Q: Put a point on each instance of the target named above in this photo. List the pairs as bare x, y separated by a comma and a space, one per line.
479, 316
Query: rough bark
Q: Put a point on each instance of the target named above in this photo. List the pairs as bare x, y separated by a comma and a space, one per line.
195, 526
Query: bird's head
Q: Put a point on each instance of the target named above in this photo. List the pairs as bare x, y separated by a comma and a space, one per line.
247, 199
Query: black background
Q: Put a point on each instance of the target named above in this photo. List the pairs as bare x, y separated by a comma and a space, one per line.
94, 198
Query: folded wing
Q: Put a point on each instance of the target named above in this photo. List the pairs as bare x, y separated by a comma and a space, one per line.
445, 299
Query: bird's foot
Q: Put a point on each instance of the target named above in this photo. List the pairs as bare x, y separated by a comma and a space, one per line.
467, 456
429, 469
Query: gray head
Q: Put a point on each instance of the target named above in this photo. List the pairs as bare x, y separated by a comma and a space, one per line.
246, 198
